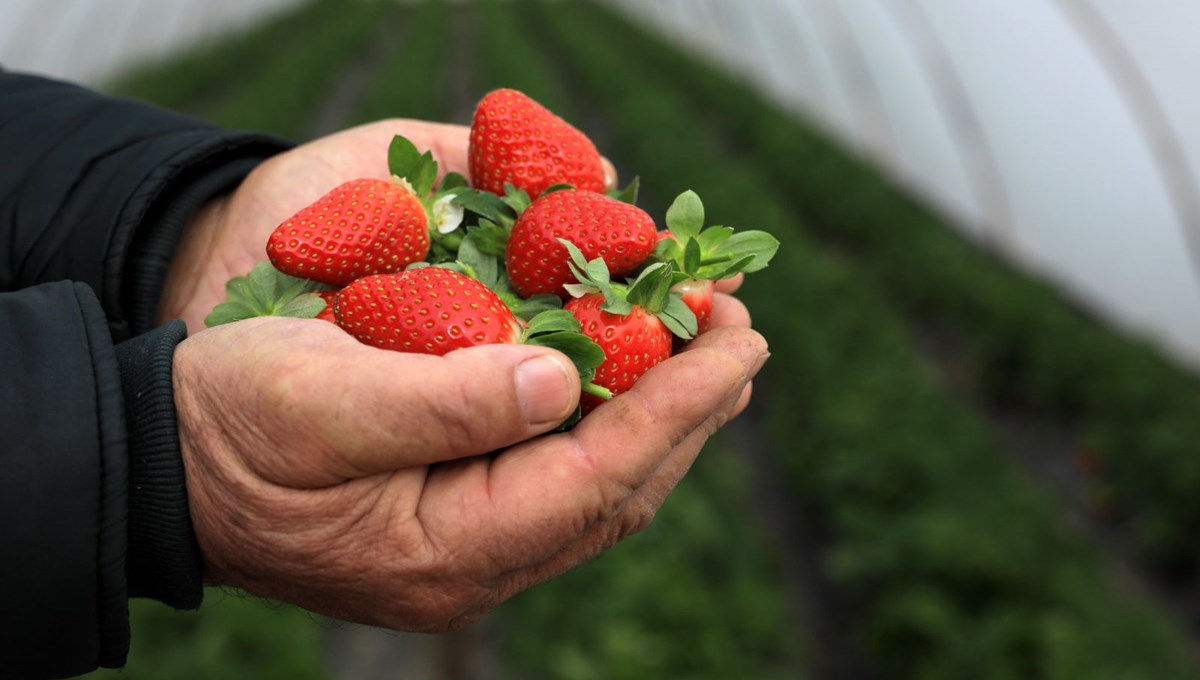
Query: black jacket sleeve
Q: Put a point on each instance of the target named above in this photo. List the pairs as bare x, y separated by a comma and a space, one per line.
94, 193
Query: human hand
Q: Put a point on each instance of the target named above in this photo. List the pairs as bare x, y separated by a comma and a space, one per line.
366, 485
229, 235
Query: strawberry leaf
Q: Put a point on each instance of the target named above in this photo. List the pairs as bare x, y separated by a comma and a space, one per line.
712, 237
517, 199
724, 269
679, 318
691, 256
306, 306
482, 267
629, 194
453, 181
229, 312
538, 304
489, 237
685, 217
651, 289
759, 244
405, 161
552, 321
266, 291
487, 205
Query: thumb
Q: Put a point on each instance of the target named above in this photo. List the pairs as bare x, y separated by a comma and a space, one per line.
399, 410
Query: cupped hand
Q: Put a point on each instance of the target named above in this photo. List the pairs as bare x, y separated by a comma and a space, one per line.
411, 491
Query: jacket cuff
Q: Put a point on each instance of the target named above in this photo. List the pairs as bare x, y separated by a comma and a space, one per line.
163, 559
152, 245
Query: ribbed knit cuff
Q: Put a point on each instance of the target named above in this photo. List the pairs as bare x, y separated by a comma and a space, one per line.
163, 560
154, 245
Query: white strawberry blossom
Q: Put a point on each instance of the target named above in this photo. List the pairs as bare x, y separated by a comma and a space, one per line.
447, 214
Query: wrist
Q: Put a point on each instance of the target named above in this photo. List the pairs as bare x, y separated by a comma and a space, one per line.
197, 245
163, 561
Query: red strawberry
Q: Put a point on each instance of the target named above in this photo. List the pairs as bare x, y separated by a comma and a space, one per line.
698, 296
633, 344
632, 324
430, 310
514, 139
328, 296
363, 227
621, 234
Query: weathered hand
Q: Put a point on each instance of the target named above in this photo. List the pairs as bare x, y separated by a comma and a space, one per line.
375, 486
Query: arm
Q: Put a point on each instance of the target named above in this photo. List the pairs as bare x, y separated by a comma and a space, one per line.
94, 194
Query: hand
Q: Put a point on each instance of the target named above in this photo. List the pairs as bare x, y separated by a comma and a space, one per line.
366, 484
229, 235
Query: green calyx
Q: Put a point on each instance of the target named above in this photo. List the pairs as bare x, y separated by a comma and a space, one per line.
651, 291
266, 291
710, 253
443, 206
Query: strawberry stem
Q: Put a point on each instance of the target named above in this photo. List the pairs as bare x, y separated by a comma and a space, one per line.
596, 390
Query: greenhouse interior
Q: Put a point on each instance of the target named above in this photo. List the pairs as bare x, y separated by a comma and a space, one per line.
975, 449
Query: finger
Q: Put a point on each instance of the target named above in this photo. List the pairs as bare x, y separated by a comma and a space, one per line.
742, 402
728, 311
381, 411
730, 285
551, 491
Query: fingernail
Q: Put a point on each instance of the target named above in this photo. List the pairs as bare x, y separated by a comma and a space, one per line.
543, 389
758, 364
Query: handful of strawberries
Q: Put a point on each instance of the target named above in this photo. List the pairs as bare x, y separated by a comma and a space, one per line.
532, 249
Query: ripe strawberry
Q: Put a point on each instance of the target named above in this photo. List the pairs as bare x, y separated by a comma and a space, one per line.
698, 296
516, 140
366, 226
429, 310
633, 324
621, 234
633, 343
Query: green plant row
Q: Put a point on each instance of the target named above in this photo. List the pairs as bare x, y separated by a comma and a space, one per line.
282, 94
410, 81
183, 82
698, 594
951, 563
1135, 410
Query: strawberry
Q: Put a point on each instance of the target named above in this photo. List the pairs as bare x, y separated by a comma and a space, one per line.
621, 234
703, 255
698, 296
328, 296
367, 226
633, 324
428, 310
518, 141
434, 310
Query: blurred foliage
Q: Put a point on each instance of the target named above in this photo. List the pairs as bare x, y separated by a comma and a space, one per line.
1023, 343
697, 595
953, 564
